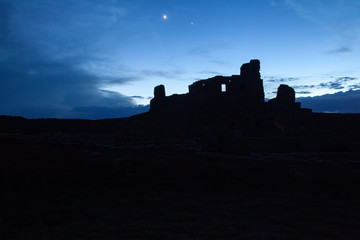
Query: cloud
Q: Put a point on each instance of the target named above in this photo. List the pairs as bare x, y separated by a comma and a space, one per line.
340, 102
302, 9
338, 16
303, 86
340, 50
346, 79
41, 76
218, 62
214, 73
162, 74
338, 83
199, 52
109, 80
288, 79
54, 88
207, 54
303, 92
280, 80
355, 87
138, 97
270, 79
332, 85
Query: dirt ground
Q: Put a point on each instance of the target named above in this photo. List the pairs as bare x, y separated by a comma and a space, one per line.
57, 189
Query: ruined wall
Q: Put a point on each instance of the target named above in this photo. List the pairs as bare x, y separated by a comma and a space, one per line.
223, 95
251, 70
242, 92
247, 83
285, 94
284, 101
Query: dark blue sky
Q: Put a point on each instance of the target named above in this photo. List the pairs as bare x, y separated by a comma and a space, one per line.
100, 59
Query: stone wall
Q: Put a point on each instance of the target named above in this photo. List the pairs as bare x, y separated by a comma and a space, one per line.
226, 95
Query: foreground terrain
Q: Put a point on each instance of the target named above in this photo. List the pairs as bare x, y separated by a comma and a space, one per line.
78, 182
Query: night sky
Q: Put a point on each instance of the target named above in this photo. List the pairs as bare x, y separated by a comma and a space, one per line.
102, 58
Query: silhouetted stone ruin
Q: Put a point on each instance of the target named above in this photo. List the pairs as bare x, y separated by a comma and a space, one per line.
284, 101
159, 92
237, 94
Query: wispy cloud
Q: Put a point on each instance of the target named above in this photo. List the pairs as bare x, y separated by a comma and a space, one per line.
198, 52
340, 50
162, 74
139, 97
338, 83
218, 62
332, 85
280, 79
345, 79
303, 92
214, 73
305, 9
355, 86
303, 86
338, 16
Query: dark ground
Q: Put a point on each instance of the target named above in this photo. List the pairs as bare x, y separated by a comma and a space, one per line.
58, 185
